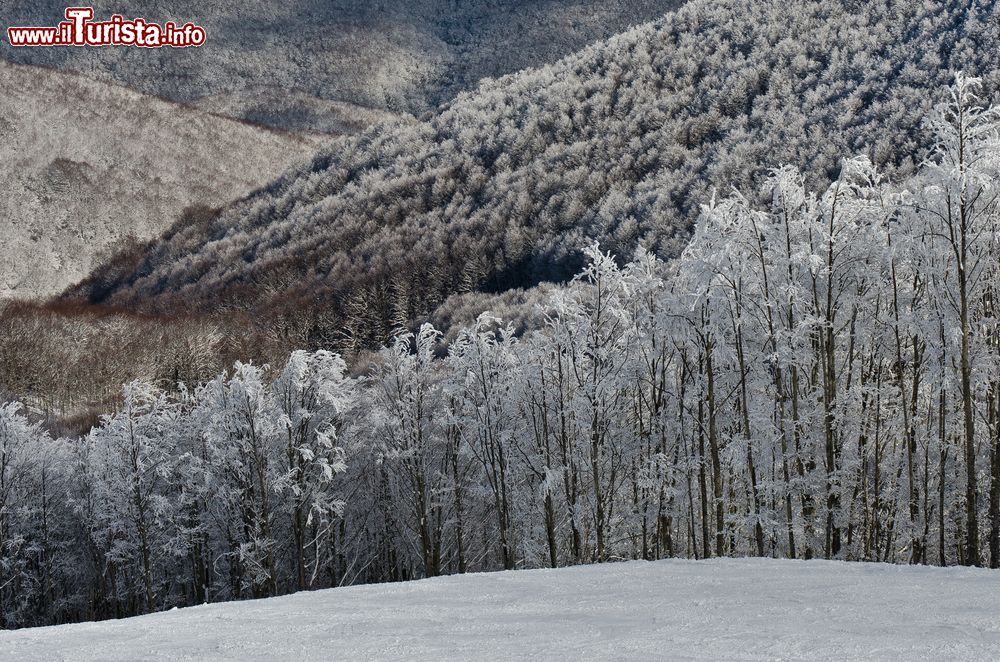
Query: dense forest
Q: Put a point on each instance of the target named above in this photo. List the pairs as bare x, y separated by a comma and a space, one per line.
813, 376
619, 144
333, 65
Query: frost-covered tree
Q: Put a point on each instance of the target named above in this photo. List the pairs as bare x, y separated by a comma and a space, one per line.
486, 370
959, 206
243, 434
408, 418
131, 459
314, 395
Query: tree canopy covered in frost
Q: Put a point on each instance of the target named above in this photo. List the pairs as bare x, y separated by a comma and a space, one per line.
814, 376
333, 65
620, 144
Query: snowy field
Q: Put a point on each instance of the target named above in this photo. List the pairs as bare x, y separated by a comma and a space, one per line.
673, 610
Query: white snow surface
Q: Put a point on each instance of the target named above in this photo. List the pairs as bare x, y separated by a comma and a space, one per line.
728, 609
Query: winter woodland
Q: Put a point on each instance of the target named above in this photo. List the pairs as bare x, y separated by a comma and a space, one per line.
816, 378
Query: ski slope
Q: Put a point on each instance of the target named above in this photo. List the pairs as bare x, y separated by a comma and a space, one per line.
677, 610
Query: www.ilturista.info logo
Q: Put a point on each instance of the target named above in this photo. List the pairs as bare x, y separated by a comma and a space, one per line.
79, 29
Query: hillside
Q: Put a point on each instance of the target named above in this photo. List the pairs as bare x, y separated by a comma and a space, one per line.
710, 610
86, 166
278, 63
620, 143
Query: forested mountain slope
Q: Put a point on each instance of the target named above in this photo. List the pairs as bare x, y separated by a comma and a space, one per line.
328, 64
620, 143
813, 376
84, 166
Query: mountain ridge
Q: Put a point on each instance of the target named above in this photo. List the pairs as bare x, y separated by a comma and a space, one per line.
620, 143
403, 58
90, 167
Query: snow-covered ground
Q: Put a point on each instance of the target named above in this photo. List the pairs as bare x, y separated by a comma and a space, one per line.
668, 610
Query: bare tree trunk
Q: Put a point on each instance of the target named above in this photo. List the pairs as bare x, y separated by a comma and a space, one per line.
713, 446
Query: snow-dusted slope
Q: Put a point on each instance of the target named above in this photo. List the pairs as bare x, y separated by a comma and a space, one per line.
620, 143
278, 62
679, 610
84, 165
